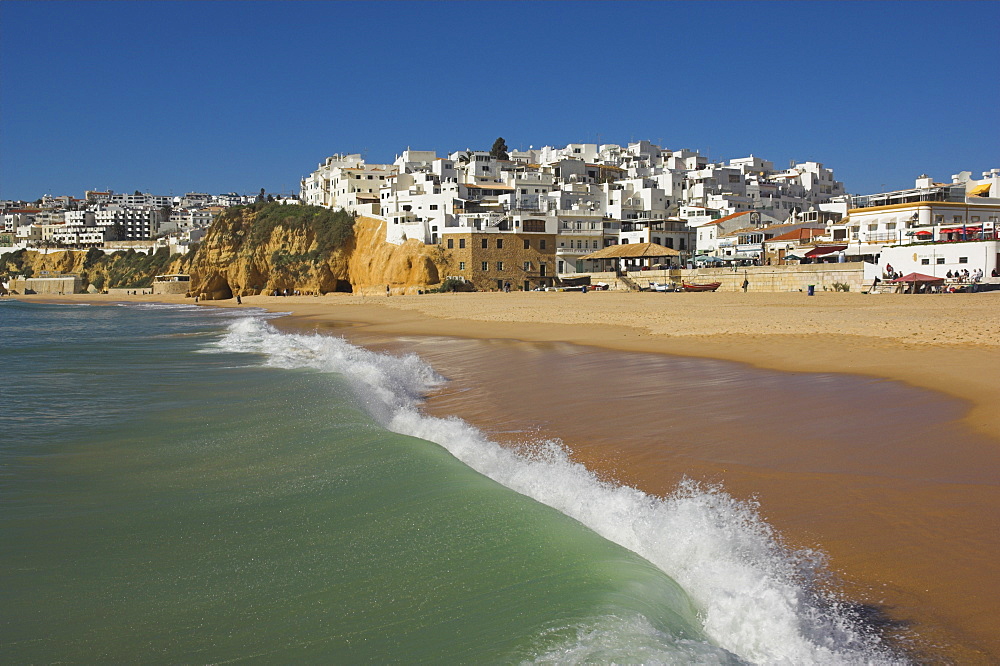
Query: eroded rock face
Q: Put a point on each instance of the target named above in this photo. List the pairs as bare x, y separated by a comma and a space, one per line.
225, 265
228, 263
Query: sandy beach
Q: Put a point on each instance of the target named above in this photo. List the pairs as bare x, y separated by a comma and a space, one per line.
909, 539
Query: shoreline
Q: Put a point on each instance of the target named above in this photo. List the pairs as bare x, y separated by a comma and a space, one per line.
775, 333
950, 345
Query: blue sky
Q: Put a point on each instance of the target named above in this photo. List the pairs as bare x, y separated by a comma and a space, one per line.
235, 96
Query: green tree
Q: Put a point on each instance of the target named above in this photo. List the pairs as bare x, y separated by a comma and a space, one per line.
93, 257
499, 149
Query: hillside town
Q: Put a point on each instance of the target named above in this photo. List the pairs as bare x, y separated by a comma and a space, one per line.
565, 210
563, 217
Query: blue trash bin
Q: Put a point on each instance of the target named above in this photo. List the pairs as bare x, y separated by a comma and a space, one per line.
812, 289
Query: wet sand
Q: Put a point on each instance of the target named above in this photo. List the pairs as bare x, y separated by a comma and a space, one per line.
865, 460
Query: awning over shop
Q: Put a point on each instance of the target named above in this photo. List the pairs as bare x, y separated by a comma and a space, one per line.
824, 250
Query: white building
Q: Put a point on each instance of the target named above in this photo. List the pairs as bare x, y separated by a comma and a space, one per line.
128, 224
346, 182
929, 211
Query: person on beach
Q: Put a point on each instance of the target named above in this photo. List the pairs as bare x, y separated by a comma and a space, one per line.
746, 283
387, 291
239, 301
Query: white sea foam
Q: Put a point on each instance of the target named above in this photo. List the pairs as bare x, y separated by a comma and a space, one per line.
757, 598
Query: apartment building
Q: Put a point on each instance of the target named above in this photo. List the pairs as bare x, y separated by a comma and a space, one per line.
930, 211
345, 181
524, 260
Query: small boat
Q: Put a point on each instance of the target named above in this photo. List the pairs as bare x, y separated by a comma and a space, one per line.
709, 286
656, 286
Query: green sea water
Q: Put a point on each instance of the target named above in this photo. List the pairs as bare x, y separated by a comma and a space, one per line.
188, 485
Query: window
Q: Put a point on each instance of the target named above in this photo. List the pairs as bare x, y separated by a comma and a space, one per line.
527, 244
451, 243
434, 206
461, 265
527, 265
925, 262
940, 260
541, 244
461, 243
499, 243
499, 265
963, 260
486, 266
486, 243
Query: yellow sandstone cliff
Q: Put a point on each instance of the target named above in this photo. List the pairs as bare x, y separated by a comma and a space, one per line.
250, 250
224, 266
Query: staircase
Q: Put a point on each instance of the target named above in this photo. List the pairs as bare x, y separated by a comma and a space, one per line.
628, 283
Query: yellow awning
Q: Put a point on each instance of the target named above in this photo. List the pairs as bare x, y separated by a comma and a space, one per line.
980, 190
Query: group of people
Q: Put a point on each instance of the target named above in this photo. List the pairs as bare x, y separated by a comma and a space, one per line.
965, 276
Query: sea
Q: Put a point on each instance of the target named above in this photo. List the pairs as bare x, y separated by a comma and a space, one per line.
184, 484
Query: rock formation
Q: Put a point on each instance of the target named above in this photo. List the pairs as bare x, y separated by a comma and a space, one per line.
291, 257
260, 249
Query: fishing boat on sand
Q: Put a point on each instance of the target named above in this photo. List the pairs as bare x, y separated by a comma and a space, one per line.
708, 286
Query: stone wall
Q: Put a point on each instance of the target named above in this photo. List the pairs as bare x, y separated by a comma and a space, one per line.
761, 278
171, 287
131, 291
64, 284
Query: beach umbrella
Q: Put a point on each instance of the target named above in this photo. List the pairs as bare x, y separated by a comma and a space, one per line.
708, 259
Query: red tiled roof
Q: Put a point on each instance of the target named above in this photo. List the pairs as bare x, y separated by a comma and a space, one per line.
728, 217
805, 233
